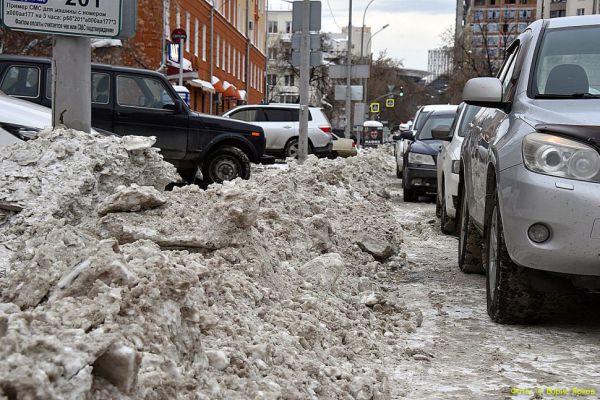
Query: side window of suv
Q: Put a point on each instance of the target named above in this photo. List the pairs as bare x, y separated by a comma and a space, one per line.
247, 115
279, 115
21, 81
100, 87
134, 91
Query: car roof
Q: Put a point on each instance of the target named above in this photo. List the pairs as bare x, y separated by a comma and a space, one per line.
580, 20
440, 107
47, 61
22, 112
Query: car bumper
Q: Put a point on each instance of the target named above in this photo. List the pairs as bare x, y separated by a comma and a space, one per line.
322, 150
421, 178
451, 194
569, 208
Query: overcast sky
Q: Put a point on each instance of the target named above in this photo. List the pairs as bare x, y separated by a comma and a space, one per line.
415, 25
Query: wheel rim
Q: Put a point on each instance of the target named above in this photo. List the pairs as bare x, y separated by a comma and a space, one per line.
493, 253
225, 169
293, 149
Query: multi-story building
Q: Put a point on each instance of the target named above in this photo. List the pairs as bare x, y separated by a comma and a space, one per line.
439, 62
282, 78
224, 55
488, 27
567, 8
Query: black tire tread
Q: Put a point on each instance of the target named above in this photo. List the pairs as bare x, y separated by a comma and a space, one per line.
471, 261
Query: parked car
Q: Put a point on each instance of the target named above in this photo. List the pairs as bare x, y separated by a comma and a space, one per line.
21, 120
130, 101
448, 167
282, 128
342, 147
401, 144
419, 172
530, 171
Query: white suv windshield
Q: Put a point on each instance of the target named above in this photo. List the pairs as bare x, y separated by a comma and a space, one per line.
568, 64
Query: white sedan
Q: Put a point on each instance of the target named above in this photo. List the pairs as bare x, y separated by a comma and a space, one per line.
448, 169
20, 119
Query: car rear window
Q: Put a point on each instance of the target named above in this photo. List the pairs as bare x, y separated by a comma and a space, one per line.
283, 115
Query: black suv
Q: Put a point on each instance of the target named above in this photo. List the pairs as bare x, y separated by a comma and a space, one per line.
130, 101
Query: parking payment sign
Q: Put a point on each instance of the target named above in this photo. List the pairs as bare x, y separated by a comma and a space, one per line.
97, 18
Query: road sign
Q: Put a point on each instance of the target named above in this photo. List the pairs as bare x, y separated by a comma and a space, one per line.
315, 41
356, 92
375, 108
316, 58
390, 103
179, 35
64, 17
359, 113
358, 71
298, 16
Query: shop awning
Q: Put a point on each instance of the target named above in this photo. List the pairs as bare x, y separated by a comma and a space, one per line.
229, 90
243, 95
204, 85
217, 84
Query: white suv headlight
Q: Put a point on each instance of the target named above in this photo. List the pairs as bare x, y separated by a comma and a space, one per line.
557, 156
422, 159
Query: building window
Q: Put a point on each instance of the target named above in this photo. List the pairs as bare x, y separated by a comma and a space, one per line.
224, 63
288, 26
272, 53
289, 80
187, 30
218, 53
239, 70
204, 42
234, 62
229, 58
581, 11
272, 80
178, 17
196, 35
273, 27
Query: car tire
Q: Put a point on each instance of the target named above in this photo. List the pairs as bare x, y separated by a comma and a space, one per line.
225, 164
447, 224
510, 298
438, 206
470, 243
398, 172
291, 148
410, 195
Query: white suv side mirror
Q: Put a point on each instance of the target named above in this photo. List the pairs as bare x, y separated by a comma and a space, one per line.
484, 92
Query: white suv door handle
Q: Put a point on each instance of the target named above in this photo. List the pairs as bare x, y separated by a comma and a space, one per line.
287, 127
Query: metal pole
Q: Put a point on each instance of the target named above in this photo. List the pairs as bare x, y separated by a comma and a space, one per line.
71, 82
212, 52
266, 100
304, 84
248, 51
349, 74
181, 43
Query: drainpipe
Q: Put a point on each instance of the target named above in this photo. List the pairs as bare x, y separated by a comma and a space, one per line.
248, 51
266, 51
212, 51
165, 13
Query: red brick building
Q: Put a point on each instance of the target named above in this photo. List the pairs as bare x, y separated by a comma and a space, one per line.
220, 64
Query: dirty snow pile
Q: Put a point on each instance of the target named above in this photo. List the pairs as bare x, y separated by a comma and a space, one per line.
271, 288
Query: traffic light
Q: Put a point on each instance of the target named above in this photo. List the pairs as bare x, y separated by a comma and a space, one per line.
401, 94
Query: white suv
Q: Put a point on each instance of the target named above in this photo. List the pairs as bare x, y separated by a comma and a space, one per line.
282, 128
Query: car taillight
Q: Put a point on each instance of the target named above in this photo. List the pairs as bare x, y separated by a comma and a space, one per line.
353, 144
326, 129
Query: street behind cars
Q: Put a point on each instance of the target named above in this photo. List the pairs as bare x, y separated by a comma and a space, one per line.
130, 101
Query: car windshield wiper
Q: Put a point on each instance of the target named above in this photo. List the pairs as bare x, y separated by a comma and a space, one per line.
568, 96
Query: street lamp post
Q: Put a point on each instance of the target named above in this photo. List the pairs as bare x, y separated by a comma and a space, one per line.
362, 34
366, 80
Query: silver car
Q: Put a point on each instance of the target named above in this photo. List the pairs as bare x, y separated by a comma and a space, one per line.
530, 174
282, 128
